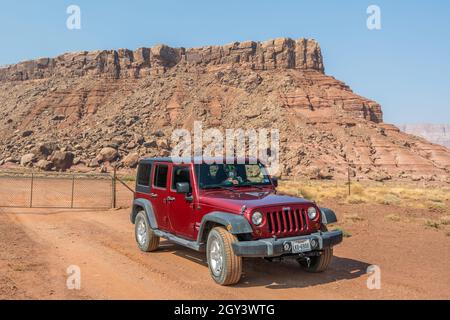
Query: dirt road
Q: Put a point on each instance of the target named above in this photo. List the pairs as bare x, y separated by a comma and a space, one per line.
38, 245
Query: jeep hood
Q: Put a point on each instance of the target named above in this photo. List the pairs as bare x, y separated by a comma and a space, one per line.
233, 201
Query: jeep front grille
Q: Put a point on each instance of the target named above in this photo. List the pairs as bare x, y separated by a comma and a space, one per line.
293, 220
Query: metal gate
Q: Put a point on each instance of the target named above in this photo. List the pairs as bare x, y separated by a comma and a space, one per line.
57, 190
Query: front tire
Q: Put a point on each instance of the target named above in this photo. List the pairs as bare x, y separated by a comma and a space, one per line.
224, 266
146, 240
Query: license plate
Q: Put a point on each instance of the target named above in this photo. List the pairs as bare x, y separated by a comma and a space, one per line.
300, 246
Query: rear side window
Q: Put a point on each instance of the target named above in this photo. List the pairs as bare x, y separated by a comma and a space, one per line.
161, 176
144, 174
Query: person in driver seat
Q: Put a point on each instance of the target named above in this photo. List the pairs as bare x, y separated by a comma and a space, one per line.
229, 178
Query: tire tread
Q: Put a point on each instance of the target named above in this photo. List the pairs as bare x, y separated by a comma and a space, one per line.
153, 240
233, 270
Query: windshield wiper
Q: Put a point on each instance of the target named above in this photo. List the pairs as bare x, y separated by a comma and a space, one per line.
228, 188
221, 187
251, 185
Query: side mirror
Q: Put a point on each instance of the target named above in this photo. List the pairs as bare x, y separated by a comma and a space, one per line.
182, 187
275, 182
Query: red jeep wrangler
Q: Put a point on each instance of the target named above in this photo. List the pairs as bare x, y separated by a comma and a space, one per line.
230, 211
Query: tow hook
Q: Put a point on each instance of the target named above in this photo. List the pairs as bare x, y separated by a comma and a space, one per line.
308, 261
305, 257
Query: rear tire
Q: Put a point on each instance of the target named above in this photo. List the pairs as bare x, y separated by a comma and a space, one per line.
146, 240
318, 263
225, 267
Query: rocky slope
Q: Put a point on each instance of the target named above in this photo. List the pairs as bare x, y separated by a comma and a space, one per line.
436, 133
92, 109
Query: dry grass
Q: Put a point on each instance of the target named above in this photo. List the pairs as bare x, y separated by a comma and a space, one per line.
393, 217
345, 233
432, 224
411, 196
388, 199
436, 206
441, 223
353, 217
355, 199
445, 220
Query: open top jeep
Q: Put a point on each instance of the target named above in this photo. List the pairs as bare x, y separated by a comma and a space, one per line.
230, 209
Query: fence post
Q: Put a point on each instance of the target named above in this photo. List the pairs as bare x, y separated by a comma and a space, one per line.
114, 189
348, 178
31, 191
73, 188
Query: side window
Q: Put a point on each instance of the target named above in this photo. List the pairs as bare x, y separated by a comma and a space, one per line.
160, 180
144, 174
181, 174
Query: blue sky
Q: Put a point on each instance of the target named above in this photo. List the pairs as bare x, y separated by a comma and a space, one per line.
405, 66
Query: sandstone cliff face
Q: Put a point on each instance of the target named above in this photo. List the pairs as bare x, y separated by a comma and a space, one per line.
436, 133
131, 101
123, 63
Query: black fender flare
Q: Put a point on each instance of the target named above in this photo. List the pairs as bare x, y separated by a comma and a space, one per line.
328, 216
235, 223
147, 205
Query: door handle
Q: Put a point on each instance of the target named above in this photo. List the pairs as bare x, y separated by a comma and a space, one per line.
170, 198
153, 195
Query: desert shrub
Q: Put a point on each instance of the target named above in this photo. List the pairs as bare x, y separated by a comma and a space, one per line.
436, 206
288, 189
128, 178
382, 190
355, 199
308, 193
435, 195
416, 205
445, 220
357, 189
354, 217
345, 233
389, 199
393, 217
432, 224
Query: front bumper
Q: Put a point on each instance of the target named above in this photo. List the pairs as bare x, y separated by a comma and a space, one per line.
273, 247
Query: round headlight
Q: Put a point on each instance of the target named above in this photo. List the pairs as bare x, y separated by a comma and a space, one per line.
312, 213
257, 218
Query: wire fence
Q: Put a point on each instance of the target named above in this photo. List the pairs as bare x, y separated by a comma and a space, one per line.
62, 190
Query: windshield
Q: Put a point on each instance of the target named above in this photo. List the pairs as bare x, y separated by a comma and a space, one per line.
230, 175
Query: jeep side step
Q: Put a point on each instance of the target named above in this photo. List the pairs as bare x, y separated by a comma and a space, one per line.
183, 242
